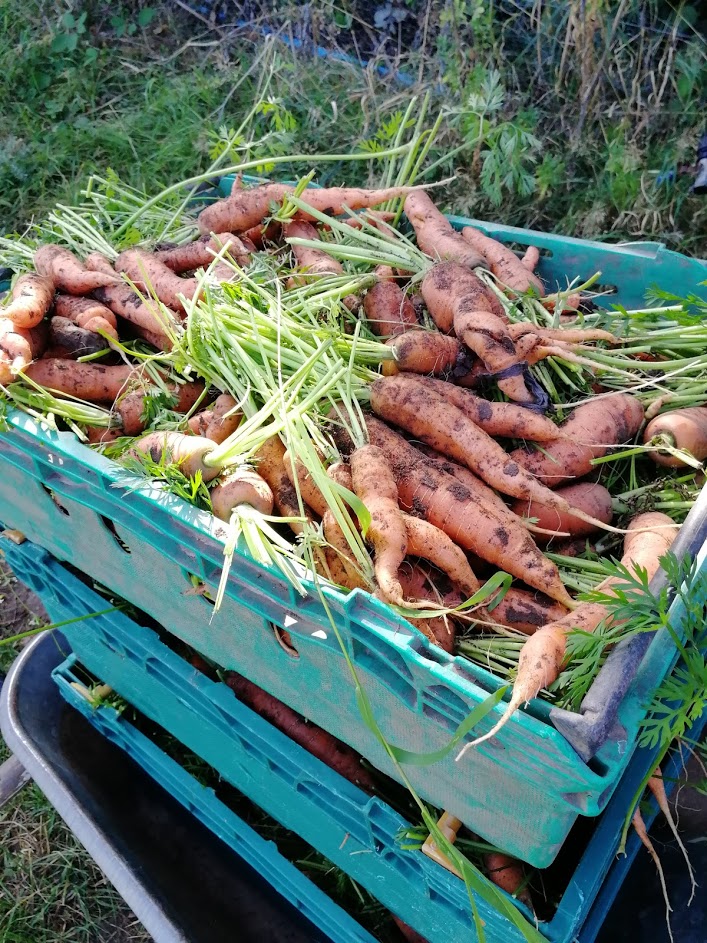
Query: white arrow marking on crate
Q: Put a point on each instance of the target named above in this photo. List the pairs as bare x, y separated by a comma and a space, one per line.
289, 620
320, 633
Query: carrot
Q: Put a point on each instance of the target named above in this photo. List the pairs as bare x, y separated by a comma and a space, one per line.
83, 380
199, 422
444, 284
504, 263
593, 499
242, 486
271, 467
531, 258
525, 611
683, 429
86, 313
422, 352
337, 755
95, 262
568, 334
18, 347
155, 339
300, 477
153, 277
225, 418
429, 416
657, 787
31, 298
470, 516
132, 406
244, 209
309, 261
497, 419
388, 309
507, 873
589, 432
146, 315
457, 298
374, 484
432, 544
542, 656
201, 252
68, 273
435, 234
74, 340
259, 236
173, 448
99, 435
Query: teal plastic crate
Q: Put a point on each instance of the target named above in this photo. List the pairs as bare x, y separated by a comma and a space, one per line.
523, 789
357, 832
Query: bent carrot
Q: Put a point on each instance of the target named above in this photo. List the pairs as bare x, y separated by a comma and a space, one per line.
497, 419
18, 347
68, 273
31, 298
374, 484
432, 544
300, 477
445, 283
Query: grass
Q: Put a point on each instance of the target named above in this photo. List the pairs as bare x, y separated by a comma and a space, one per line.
577, 125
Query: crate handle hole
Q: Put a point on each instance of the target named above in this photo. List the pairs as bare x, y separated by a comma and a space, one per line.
198, 587
110, 527
284, 640
56, 501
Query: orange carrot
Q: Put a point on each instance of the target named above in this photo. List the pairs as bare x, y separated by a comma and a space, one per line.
542, 656
242, 486
588, 433
146, 315
422, 352
153, 277
83, 380
30, 299
388, 309
504, 263
497, 419
201, 252
474, 517
374, 484
429, 416
18, 347
244, 209
68, 273
310, 262
507, 873
435, 234
683, 429
86, 313
270, 465
591, 498
531, 258
132, 406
